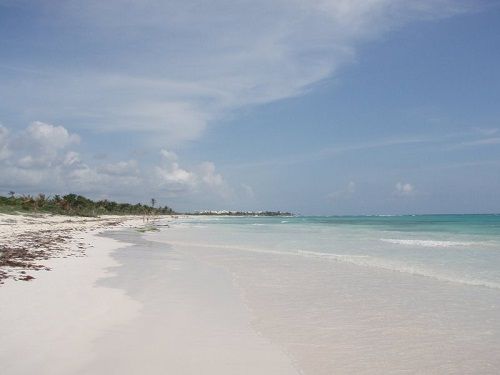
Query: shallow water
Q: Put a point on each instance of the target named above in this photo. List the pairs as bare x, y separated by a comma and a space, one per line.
455, 248
191, 320
363, 295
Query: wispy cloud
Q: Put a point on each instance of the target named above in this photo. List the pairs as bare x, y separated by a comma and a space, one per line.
442, 142
483, 142
487, 131
175, 67
328, 152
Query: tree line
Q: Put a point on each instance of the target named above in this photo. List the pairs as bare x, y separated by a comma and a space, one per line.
78, 205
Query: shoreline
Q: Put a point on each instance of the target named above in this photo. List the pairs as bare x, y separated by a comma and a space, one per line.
102, 313
193, 319
48, 325
28, 243
341, 317
186, 300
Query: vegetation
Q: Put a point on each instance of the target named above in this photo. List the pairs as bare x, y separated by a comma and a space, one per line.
73, 204
78, 205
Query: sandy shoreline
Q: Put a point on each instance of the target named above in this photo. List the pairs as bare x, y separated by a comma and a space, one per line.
47, 325
81, 318
195, 298
30, 242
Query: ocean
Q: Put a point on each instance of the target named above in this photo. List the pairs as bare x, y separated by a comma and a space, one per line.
364, 295
462, 249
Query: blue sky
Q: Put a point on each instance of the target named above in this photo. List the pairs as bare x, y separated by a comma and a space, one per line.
317, 107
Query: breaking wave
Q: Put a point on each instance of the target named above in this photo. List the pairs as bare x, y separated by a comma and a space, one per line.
425, 243
374, 262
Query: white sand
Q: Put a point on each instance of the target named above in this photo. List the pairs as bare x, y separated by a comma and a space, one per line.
192, 322
189, 321
47, 325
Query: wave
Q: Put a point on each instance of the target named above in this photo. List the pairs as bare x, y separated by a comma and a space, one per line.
425, 243
358, 260
373, 262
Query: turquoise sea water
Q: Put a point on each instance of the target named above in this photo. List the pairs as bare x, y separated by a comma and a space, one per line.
460, 249
361, 295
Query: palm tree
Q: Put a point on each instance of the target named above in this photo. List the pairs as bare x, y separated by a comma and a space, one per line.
41, 200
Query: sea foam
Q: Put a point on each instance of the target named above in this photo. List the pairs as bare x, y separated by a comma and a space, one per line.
358, 260
389, 265
425, 243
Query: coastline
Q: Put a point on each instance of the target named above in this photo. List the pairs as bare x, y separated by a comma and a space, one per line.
331, 316
48, 324
30, 242
193, 319
224, 298
102, 313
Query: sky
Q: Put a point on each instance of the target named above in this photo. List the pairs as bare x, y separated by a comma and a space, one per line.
319, 107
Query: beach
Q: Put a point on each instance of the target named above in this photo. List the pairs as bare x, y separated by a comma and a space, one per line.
48, 323
73, 319
249, 188
258, 296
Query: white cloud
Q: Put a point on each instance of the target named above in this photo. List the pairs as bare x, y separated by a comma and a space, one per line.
38, 166
169, 155
174, 67
174, 175
214, 181
209, 176
71, 158
49, 136
39, 144
171, 176
404, 189
121, 168
91, 180
175, 179
29, 161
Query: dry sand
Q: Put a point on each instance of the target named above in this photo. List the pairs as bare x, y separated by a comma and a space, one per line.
47, 325
28, 241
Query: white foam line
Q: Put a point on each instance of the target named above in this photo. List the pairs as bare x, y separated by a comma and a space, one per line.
369, 261
358, 260
425, 243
